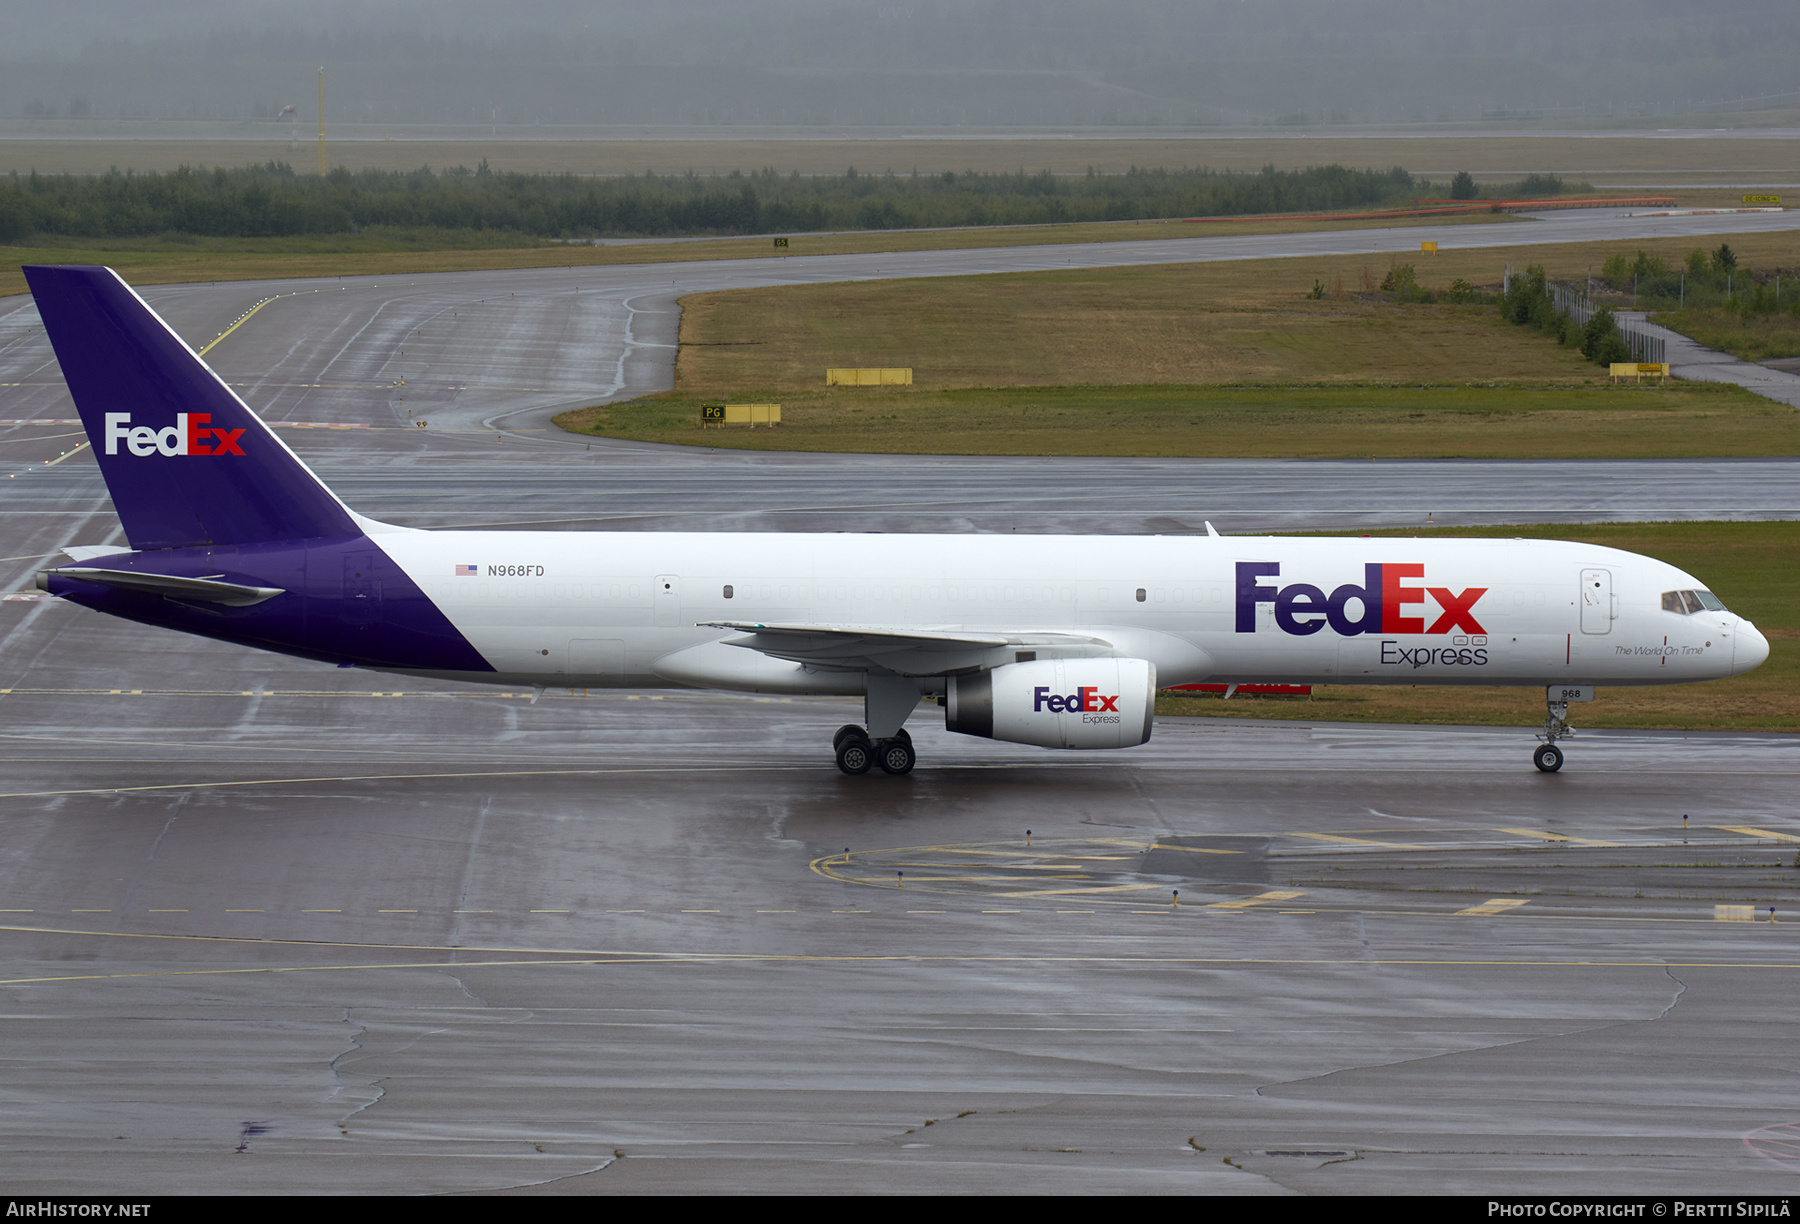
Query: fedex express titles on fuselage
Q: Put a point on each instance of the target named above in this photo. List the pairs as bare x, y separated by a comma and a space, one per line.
1304, 611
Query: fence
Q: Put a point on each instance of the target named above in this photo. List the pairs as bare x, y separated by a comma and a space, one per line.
1579, 306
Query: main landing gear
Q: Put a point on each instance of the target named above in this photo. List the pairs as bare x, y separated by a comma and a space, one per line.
1548, 757
887, 700
857, 753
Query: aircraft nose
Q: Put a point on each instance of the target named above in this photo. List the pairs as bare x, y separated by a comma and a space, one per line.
1749, 648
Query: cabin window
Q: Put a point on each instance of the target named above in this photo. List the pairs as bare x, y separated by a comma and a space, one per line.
727, 590
1141, 593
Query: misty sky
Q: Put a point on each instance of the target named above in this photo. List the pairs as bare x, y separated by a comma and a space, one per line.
915, 62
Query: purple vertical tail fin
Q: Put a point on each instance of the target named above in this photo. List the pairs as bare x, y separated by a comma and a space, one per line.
186, 461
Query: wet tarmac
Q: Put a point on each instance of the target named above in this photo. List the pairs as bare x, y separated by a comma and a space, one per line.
275, 927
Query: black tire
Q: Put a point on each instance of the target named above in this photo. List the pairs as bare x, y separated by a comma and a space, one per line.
1548, 758
844, 732
855, 754
896, 756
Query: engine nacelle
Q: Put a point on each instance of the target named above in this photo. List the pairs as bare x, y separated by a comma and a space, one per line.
1056, 703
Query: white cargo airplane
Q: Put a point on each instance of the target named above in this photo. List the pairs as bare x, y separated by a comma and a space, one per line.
1058, 641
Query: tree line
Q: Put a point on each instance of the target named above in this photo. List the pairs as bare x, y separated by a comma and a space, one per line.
1706, 280
271, 200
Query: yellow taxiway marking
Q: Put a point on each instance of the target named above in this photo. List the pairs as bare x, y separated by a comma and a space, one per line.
778, 911
550, 911
1499, 905
1068, 873
1192, 849
576, 956
1098, 888
1357, 841
1734, 913
257, 911
471, 911
1259, 899
1027, 852
589, 960
242, 319
1546, 835
406, 911
67, 455
1749, 831
400, 777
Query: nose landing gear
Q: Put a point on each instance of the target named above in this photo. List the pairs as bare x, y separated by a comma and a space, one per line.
1548, 757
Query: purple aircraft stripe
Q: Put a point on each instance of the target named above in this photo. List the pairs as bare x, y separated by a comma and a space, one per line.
344, 601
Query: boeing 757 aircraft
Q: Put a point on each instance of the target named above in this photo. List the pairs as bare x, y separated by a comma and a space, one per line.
1058, 641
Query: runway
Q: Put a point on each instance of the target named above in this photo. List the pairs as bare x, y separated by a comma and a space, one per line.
274, 927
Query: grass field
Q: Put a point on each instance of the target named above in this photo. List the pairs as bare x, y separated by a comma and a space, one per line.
1748, 565
1196, 359
1754, 339
1517, 421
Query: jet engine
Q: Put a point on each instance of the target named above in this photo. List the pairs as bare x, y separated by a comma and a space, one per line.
1056, 703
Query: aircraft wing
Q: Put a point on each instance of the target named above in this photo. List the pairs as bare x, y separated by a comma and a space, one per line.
913, 652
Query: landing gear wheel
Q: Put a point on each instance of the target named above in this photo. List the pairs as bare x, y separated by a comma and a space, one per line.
1548, 758
855, 754
896, 756
845, 732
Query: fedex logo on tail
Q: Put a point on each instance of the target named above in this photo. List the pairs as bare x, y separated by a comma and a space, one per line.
189, 435
1382, 604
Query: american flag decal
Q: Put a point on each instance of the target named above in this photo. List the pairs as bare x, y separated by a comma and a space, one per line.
465, 571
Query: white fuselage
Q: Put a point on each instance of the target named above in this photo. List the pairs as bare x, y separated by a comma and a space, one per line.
587, 610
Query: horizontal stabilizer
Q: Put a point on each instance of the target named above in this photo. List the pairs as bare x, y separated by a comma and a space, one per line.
201, 590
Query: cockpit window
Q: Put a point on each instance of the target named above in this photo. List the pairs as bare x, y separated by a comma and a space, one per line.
1686, 603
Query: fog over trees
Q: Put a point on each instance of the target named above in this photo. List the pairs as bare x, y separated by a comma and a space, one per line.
906, 62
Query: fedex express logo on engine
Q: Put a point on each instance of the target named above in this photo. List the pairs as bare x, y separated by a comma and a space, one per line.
1094, 707
189, 435
1084, 700
1382, 604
